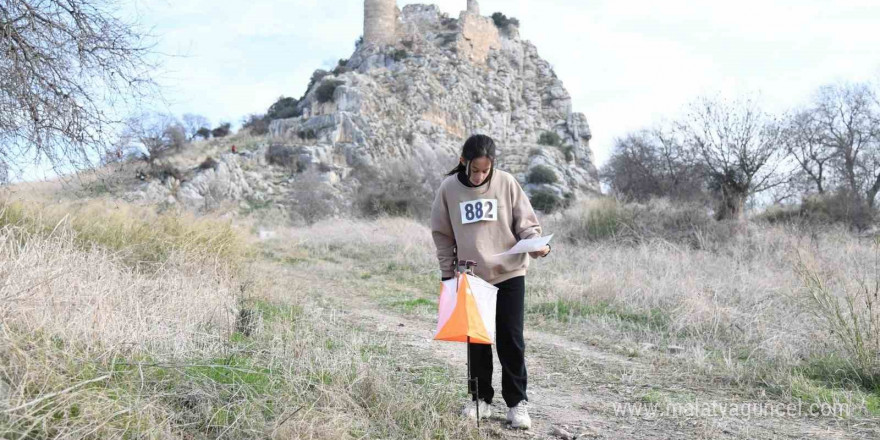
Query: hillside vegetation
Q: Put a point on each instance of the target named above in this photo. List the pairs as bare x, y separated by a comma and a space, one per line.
122, 320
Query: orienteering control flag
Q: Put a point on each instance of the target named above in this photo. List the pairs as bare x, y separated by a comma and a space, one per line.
468, 311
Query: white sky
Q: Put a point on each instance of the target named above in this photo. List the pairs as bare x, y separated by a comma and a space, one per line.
627, 64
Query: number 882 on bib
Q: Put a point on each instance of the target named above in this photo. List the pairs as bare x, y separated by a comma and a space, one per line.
483, 210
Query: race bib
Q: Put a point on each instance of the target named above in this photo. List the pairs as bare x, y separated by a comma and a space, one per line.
483, 210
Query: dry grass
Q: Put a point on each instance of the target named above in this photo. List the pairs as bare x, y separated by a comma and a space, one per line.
194, 153
52, 286
138, 235
94, 346
744, 302
118, 321
738, 308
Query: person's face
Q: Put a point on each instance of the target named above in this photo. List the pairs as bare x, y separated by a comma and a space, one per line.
479, 171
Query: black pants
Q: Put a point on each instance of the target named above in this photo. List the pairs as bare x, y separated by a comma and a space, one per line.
510, 345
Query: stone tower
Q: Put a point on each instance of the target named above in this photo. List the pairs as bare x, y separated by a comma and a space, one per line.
473, 7
380, 21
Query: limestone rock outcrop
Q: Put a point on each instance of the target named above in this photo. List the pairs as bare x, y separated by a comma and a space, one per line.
442, 80
419, 85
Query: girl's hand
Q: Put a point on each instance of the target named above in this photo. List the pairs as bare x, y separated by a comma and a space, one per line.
541, 253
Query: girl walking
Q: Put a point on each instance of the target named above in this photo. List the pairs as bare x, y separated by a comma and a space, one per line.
480, 211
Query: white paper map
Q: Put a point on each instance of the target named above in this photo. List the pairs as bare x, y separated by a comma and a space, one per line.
528, 245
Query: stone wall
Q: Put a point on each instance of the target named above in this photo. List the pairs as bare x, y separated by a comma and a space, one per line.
473, 7
380, 22
478, 36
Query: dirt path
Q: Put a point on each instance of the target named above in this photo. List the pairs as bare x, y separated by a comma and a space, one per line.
576, 387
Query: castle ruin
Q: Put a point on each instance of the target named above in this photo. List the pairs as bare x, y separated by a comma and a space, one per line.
380, 22
473, 7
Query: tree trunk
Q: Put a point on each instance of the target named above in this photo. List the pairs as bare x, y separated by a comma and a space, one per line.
732, 204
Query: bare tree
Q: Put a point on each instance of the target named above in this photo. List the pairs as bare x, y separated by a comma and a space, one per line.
4, 173
848, 116
66, 69
156, 132
192, 123
804, 142
653, 163
739, 146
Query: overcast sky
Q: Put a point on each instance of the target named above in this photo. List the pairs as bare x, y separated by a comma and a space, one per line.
627, 64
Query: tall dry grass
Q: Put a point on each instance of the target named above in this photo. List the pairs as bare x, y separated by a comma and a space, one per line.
731, 297
96, 344
85, 293
137, 235
761, 304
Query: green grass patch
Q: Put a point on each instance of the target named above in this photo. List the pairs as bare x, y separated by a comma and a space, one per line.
235, 371
411, 305
256, 206
832, 378
653, 397
568, 310
374, 350
836, 371
271, 311
435, 375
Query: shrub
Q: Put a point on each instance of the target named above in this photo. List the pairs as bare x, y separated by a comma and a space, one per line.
280, 155
316, 78
399, 54
222, 130
542, 174
325, 91
340, 67
549, 138
838, 208
546, 201
313, 200
163, 171
568, 150
450, 23
175, 136
823, 209
283, 108
209, 164
501, 21
403, 190
846, 305
258, 125
684, 223
448, 38
204, 132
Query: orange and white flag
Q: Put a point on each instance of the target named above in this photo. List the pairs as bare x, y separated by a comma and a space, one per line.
468, 311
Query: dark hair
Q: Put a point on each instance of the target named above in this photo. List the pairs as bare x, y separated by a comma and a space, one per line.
477, 146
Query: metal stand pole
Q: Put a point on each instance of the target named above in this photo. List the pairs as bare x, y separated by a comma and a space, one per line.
475, 381
469, 265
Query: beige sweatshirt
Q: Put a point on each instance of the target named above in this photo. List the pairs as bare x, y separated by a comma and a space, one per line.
483, 221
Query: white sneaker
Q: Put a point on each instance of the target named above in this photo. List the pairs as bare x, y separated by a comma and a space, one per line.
518, 415
470, 410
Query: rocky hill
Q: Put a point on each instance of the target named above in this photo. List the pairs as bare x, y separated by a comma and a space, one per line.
415, 102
